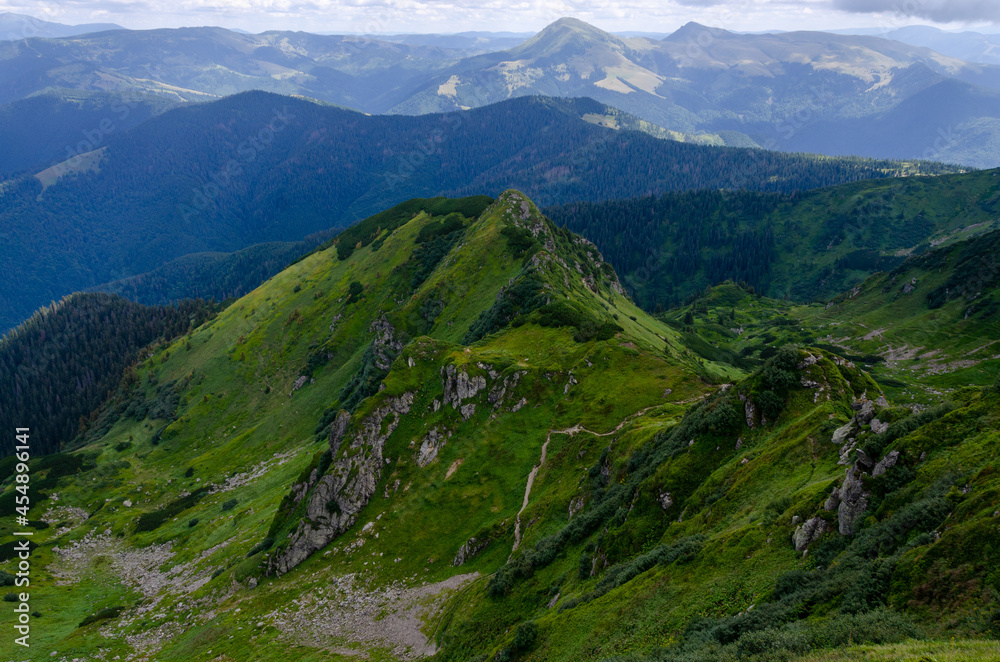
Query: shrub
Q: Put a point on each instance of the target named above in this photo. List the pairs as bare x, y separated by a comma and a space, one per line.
104, 614
261, 546
354, 291
229, 505
193, 522
10, 597
189, 472
151, 521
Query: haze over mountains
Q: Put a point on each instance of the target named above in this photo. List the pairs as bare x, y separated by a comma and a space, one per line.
799, 91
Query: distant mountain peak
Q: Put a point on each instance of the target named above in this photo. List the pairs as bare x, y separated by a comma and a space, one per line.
564, 32
691, 30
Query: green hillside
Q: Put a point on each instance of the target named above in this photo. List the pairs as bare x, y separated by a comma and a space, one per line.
804, 246
450, 433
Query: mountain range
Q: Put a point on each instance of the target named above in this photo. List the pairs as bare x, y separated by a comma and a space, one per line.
15, 27
424, 353
797, 91
458, 437
258, 167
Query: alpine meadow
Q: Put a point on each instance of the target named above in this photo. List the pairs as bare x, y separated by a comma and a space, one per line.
653, 342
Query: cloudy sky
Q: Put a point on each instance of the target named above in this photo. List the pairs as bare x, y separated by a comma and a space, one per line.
394, 16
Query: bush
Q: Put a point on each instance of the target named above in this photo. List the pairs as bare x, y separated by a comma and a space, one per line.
10, 597
354, 291
189, 472
193, 522
261, 546
229, 505
104, 614
151, 521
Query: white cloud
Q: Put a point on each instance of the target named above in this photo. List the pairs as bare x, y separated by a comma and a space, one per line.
389, 16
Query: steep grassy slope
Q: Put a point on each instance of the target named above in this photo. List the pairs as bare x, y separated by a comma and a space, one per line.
459, 438
239, 402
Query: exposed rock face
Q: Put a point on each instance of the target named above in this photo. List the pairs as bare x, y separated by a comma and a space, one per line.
468, 550
337, 497
878, 427
807, 533
430, 446
458, 386
832, 502
853, 500
750, 410
665, 500
386, 345
886, 463
866, 413
337, 430
841, 434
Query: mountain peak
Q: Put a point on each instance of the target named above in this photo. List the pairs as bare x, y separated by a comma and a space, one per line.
563, 33
691, 30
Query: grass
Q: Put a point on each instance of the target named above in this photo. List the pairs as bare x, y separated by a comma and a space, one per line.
918, 651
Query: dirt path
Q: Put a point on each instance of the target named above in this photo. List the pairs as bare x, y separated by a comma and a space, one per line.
576, 429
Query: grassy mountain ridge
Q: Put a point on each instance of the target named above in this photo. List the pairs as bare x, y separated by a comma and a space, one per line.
255, 354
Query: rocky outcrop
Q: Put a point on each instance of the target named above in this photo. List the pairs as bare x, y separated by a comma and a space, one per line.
468, 550
853, 500
430, 446
338, 496
750, 411
886, 463
387, 345
337, 430
459, 386
808, 532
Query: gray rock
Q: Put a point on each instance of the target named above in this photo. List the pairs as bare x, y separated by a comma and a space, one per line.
808, 532
833, 501
886, 463
866, 413
665, 500
750, 410
853, 500
430, 446
842, 433
386, 346
863, 460
458, 386
337, 497
337, 430
468, 550
878, 427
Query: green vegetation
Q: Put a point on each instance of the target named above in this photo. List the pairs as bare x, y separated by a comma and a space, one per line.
507, 458
803, 246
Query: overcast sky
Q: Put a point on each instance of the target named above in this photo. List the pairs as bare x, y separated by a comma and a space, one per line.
375, 17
